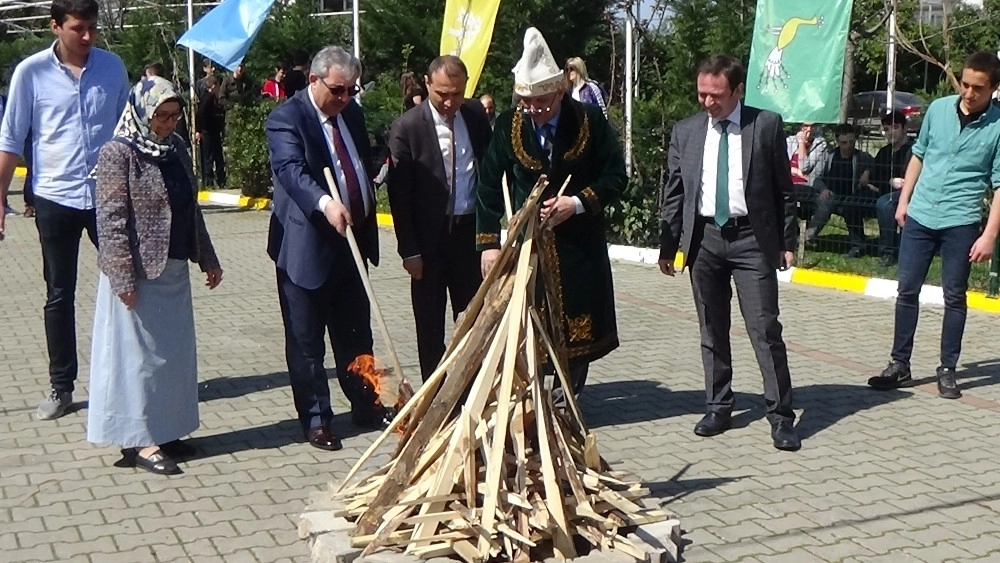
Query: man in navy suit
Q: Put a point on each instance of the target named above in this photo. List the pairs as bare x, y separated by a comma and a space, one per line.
319, 287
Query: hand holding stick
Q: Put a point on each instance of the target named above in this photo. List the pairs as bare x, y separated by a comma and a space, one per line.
363, 272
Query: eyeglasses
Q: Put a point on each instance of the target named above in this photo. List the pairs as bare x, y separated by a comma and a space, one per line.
174, 116
340, 90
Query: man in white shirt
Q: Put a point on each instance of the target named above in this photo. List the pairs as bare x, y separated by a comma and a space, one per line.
436, 148
733, 222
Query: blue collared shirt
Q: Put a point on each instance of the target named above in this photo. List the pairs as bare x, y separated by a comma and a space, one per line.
70, 119
539, 129
960, 166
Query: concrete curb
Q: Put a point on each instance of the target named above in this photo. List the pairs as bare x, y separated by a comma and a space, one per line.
234, 200
872, 287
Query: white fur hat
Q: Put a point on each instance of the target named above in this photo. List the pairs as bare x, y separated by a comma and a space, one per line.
537, 73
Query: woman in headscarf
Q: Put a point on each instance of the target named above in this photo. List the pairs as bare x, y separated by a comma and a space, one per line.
144, 369
583, 89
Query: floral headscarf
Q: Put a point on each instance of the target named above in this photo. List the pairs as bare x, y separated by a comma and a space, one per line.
147, 95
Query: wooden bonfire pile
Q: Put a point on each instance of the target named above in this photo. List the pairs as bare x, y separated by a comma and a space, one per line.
486, 468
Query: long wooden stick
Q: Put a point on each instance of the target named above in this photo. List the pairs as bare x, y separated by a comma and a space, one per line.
363, 272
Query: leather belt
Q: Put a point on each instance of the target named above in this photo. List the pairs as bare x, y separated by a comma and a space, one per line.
732, 223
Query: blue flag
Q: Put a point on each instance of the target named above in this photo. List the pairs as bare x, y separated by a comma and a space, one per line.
225, 33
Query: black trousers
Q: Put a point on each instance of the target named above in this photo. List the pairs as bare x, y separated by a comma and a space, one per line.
59, 230
339, 308
213, 164
29, 192
453, 270
720, 257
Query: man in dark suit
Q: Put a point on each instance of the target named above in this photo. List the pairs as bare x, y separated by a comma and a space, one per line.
436, 149
319, 287
728, 206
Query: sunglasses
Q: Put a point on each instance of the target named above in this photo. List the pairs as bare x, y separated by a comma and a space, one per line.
340, 90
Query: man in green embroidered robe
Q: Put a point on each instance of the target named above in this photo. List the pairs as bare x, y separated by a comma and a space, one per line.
550, 133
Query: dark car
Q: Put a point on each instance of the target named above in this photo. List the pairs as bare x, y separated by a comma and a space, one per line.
867, 108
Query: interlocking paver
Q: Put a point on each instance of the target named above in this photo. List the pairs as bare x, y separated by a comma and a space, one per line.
881, 476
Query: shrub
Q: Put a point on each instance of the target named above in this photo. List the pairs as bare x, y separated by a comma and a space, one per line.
246, 145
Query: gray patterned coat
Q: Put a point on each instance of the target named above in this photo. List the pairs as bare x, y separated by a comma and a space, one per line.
133, 217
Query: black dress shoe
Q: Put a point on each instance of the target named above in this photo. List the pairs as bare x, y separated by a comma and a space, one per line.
785, 437
321, 437
713, 424
158, 463
376, 418
178, 449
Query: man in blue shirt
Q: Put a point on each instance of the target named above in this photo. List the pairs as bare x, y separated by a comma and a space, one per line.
955, 163
69, 97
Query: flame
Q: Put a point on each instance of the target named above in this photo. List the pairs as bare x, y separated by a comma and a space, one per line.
369, 371
378, 378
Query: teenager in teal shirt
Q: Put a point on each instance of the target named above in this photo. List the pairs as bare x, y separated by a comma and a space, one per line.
956, 161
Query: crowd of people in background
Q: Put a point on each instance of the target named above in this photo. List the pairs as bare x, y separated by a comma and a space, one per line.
843, 180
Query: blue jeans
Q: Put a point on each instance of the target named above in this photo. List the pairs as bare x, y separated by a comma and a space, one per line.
917, 248
885, 210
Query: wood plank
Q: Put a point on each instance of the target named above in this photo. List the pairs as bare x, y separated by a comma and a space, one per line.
561, 540
516, 310
441, 408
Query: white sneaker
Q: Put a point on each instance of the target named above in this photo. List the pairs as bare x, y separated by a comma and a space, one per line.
8, 210
56, 405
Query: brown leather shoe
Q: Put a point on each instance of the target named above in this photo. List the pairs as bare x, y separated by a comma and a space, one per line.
321, 437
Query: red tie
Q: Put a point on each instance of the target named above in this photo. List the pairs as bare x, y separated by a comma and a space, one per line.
356, 203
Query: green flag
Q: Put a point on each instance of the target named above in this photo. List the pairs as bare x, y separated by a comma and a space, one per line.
797, 58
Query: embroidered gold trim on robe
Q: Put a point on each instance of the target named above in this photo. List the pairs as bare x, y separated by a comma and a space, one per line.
517, 141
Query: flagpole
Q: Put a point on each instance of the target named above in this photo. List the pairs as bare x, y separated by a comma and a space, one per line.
890, 67
355, 14
191, 106
629, 24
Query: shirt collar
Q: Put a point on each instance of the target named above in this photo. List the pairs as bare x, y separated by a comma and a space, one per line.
733, 117
972, 117
554, 121
55, 58
323, 117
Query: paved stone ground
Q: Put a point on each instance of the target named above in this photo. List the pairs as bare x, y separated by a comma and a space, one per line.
902, 476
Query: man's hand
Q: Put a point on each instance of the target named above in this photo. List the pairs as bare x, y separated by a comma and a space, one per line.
128, 298
901, 214
982, 249
338, 216
213, 278
488, 260
414, 266
787, 260
197, 136
667, 267
557, 210
803, 138
825, 194
896, 183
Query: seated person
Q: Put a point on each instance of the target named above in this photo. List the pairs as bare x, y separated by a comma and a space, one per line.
887, 175
842, 186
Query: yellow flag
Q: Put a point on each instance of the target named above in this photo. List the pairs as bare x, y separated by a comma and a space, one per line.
467, 33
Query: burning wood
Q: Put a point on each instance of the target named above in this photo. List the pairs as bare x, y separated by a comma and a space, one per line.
489, 469
389, 390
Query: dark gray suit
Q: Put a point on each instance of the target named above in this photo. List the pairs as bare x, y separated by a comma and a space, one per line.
419, 193
747, 250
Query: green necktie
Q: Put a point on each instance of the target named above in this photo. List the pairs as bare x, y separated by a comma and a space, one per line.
722, 177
